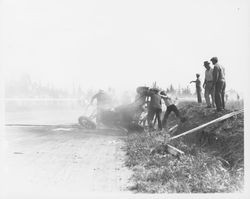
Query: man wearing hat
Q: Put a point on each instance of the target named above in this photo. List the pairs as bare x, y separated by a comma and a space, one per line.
219, 84
208, 85
198, 87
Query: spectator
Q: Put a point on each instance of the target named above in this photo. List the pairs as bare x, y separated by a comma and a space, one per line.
219, 84
198, 87
208, 85
226, 96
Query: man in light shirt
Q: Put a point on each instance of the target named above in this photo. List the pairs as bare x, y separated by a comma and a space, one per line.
198, 87
219, 84
171, 107
208, 85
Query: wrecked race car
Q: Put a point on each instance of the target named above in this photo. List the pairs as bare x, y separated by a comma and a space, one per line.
122, 117
126, 117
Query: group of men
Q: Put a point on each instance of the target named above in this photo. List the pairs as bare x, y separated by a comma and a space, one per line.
154, 107
214, 85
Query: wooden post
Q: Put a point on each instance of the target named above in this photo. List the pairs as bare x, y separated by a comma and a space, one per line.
174, 151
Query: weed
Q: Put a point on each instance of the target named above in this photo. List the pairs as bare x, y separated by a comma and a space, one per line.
213, 161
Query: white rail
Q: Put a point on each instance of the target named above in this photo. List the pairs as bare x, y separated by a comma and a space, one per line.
209, 123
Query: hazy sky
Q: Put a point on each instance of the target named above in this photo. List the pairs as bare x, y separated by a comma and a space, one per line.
124, 44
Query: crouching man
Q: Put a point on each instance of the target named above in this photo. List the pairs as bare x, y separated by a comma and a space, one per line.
171, 107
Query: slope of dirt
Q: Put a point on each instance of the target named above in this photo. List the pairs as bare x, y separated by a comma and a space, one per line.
213, 161
224, 139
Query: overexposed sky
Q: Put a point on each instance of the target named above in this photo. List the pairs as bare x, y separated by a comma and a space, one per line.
124, 44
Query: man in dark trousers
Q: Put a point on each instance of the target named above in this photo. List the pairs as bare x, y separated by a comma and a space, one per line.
208, 85
171, 107
103, 101
198, 87
154, 108
219, 84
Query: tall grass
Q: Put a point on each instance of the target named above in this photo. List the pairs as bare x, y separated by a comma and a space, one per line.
210, 163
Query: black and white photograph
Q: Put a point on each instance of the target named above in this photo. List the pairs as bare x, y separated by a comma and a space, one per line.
124, 99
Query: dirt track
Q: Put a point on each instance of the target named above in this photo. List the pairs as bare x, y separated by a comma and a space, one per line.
47, 159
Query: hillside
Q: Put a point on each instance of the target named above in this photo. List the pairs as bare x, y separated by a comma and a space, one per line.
213, 161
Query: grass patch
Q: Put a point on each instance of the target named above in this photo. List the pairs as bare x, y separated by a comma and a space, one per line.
213, 160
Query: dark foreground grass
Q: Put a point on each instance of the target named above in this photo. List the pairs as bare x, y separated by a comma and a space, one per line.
211, 164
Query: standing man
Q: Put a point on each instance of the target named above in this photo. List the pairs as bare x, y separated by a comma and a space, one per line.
208, 85
198, 87
226, 96
103, 101
154, 108
219, 84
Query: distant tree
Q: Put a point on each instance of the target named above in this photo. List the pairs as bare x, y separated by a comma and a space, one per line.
154, 85
25, 87
186, 91
179, 91
80, 91
171, 89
